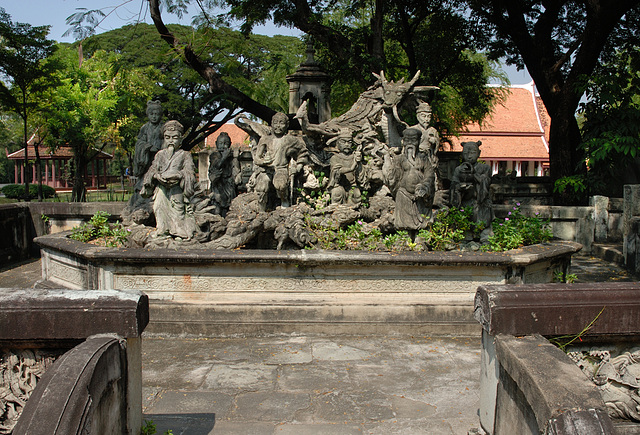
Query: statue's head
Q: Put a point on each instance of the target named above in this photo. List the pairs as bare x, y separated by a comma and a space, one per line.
471, 151
410, 141
154, 111
343, 141
394, 92
172, 134
280, 123
223, 142
423, 113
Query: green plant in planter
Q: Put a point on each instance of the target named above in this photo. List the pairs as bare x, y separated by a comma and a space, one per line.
450, 227
98, 228
517, 230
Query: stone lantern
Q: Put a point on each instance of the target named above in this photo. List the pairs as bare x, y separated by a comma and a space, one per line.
310, 82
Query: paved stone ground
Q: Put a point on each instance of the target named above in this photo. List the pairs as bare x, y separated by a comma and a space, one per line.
313, 384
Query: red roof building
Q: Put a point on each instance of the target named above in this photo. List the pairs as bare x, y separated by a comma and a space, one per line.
53, 173
239, 137
515, 137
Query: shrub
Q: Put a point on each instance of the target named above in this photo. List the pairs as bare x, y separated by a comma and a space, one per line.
449, 228
98, 228
16, 191
517, 230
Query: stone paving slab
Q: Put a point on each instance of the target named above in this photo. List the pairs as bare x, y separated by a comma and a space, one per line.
312, 384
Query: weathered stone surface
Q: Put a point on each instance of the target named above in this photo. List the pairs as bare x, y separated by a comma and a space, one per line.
64, 314
558, 309
83, 392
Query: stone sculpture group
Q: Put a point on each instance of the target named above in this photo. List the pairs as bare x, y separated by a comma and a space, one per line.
367, 165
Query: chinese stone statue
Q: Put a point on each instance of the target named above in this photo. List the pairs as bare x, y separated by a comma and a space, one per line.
277, 158
412, 179
346, 171
171, 181
224, 174
149, 140
470, 186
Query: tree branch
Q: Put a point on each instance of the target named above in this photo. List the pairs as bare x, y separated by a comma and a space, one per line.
217, 85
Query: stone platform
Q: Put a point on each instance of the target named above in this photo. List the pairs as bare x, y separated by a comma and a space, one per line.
210, 293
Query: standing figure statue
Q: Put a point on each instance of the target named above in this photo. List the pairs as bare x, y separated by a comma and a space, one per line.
346, 171
470, 186
224, 174
412, 180
149, 141
171, 180
277, 158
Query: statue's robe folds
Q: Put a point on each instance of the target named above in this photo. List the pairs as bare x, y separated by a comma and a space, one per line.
413, 181
173, 175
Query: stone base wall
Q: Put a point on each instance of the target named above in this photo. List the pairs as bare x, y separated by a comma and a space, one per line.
221, 292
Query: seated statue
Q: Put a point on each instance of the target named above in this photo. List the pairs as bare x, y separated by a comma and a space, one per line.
171, 180
470, 186
224, 174
346, 172
412, 180
277, 158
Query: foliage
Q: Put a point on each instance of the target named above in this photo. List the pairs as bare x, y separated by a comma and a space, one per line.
518, 230
26, 72
16, 191
98, 228
563, 341
256, 65
149, 428
559, 276
91, 106
449, 228
357, 236
611, 123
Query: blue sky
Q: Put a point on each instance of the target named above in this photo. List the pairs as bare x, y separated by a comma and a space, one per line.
55, 13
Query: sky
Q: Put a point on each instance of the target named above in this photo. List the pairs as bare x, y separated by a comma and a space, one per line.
55, 13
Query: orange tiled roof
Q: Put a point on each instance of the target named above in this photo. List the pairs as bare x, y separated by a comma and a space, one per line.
518, 129
239, 137
63, 153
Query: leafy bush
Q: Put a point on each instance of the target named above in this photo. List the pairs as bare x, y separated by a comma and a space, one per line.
517, 230
98, 228
16, 191
449, 228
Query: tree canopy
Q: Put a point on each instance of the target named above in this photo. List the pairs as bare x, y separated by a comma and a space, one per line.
256, 66
560, 43
353, 39
26, 72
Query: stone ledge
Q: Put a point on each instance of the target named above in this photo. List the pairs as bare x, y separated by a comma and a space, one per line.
559, 309
552, 385
63, 314
303, 257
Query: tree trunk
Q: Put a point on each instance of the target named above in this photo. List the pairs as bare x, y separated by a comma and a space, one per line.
79, 192
564, 154
26, 159
36, 147
377, 40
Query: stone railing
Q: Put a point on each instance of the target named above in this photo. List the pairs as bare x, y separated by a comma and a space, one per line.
528, 385
71, 361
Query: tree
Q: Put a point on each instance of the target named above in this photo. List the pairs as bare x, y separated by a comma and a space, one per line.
256, 66
560, 42
91, 106
27, 73
352, 33
400, 37
610, 120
